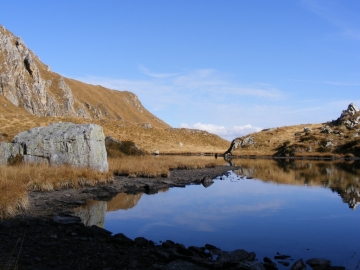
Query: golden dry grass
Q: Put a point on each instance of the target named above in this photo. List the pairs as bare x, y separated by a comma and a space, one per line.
16, 181
160, 166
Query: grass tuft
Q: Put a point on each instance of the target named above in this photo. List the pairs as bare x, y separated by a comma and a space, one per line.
17, 180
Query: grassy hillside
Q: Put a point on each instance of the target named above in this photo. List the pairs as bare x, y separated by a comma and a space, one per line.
295, 141
166, 140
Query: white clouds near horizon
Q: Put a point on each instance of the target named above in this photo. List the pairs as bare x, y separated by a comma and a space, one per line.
226, 133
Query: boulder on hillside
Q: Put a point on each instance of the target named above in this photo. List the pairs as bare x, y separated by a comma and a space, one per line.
62, 143
240, 142
349, 117
351, 110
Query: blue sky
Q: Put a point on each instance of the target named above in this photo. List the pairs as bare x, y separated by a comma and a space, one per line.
231, 67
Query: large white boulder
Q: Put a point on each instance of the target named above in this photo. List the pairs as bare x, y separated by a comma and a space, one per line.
65, 143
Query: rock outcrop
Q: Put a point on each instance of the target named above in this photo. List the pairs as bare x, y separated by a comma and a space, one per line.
60, 143
240, 142
351, 110
349, 117
21, 82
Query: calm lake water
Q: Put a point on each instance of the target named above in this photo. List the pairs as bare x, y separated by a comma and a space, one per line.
303, 209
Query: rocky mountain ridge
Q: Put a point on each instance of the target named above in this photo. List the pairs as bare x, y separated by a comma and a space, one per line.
30, 84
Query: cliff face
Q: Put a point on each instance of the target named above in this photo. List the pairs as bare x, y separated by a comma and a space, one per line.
22, 84
30, 84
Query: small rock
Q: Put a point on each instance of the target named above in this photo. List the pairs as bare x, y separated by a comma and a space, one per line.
66, 220
270, 266
183, 250
336, 268
211, 247
284, 263
268, 260
319, 263
100, 231
121, 239
199, 251
168, 244
298, 265
141, 241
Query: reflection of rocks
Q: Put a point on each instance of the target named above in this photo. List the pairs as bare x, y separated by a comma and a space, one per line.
123, 201
243, 171
351, 196
207, 181
93, 213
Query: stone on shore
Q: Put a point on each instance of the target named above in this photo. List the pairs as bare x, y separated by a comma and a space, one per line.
63, 143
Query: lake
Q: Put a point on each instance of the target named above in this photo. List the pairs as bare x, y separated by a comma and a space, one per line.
299, 208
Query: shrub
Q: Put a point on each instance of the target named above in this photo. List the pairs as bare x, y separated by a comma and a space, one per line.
119, 149
324, 149
308, 138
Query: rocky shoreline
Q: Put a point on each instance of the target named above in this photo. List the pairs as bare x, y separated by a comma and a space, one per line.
49, 237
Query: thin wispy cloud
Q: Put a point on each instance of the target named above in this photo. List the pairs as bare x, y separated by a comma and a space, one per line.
327, 82
147, 72
337, 15
191, 90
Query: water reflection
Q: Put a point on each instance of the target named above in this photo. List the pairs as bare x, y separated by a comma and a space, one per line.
340, 176
93, 213
290, 206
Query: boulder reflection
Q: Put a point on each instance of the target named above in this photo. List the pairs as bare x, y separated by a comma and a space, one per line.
340, 176
93, 212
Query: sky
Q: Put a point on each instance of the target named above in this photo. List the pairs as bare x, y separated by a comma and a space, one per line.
230, 67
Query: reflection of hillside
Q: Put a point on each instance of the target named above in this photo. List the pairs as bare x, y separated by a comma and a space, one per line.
123, 201
340, 176
126, 201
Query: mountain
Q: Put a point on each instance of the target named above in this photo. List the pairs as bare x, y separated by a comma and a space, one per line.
29, 84
337, 138
33, 95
